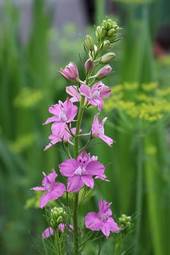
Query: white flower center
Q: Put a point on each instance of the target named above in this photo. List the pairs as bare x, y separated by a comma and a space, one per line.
63, 116
96, 94
80, 170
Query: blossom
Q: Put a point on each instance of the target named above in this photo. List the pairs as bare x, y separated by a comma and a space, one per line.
102, 220
74, 93
104, 71
50, 231
60, 132
63, 112
80, 171
98, 130
95, 94
47, 233
70, 72
52, 189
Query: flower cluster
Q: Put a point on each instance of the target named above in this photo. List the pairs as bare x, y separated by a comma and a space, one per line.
80, 169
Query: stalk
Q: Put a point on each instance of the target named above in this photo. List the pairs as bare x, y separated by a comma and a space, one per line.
76, 195
139, 190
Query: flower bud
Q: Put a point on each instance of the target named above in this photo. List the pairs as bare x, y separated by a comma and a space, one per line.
125, 222
106, 44
103, 72
106, 58
89, 64
57, 215
70, 72
88, 42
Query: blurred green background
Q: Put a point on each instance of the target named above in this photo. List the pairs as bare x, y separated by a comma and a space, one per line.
138, 165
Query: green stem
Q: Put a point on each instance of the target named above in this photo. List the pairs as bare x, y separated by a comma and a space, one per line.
139, 191
76, 196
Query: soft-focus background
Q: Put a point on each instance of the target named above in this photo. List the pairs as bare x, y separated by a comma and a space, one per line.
36, 38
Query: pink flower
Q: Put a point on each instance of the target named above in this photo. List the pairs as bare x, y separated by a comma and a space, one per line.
81, 171
50, 231
74, 93
70, 72
95, 94
104, 71
47, 233
98, 130
52, 189
59, 132
63, 112
102, 220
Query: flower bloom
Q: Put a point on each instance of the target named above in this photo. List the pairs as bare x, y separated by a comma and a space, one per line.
95, 94
104, 71
102, 220
59, 132
63, 112
50, 231
52, 189
98, 130
70, 72
80, 171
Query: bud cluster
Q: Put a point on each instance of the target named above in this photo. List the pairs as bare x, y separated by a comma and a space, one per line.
57, 216
125, 222
107, 31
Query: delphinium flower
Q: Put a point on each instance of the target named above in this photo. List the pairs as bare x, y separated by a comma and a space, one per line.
102, 220
98, 130
80, 169
52, 189
63, 114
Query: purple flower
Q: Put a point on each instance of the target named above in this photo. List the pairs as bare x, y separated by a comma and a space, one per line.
95, 94
70, 72
60, 132
50, 231
52, 189
98, 130
63, 112
81, 171
104, 71
47, 233
74, 93
102, 220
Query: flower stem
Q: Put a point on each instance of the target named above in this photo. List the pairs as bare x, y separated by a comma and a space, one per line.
76, 195
139, 191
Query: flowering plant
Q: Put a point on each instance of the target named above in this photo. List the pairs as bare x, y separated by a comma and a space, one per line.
80, 169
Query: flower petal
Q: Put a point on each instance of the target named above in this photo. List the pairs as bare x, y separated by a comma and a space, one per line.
74, 184
95, 168
44, 199
68, 167
85, 90
38, 188
92, 221
88, 181
47, 233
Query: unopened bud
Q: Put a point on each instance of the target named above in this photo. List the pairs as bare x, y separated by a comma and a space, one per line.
89, 64
125, 221
88, 42
106, 58
111, 32
104, 71
57, 215
106, 44
70, 72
